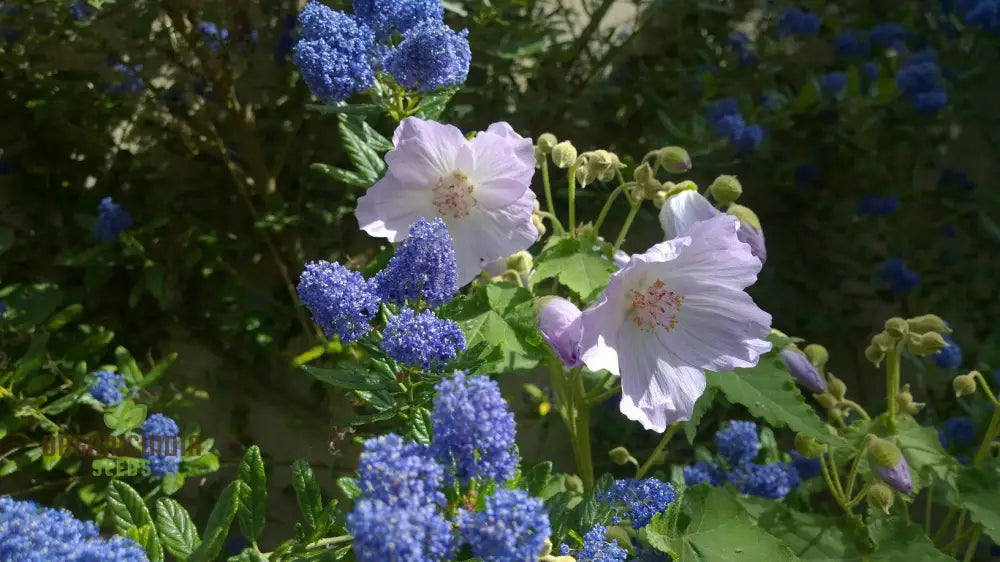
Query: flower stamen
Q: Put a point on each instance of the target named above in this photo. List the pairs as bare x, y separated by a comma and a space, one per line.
453, 195
654, 307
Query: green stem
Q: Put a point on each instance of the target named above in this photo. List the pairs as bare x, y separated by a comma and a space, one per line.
835, 491
944, 524
594, 400
600, 385
986, 388
628, 224
973, 540
548, 197
852, 475
860, 496
607, 207
581, 437
667, 435
961, 524
572, 200
957, 541
857, 408
892, 383
991, 434
927, 510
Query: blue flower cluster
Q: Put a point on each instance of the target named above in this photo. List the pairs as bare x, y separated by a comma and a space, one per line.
474, 431
981, 14
737, 445
339, 54
400, 515
900, 278
129, 80
833, 84
950, 178
888, 35
949, 357
740, 43
796, 22
111, 221
877, 206
851, 44
957, 433
213, 36
81, 10
596, 547
32, 533
726, 121
512, 526
106, 387
341, 301
3, 309
422, 340
638, 501
423, 268
161, 445
919, 82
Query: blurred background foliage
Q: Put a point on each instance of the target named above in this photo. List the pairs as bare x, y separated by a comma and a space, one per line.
191, 116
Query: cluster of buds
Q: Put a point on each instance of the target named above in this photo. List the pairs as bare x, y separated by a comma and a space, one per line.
921, 335
563, 153
597, 165
536, 219
672, 159
807, 367
906, 403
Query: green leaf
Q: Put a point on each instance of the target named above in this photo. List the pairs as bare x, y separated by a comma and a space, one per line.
219, 521
90, 346
32, 304
308, 494
350, 376
896, 540
499, 314
204, 464
808, 95
769, 393
576, 264
535, 478
591, 510
253, 505
812, 536
346, 109
124, 416
924, 454
146, 537
177, 531
433, 105
127, 366
157, 371
712, 526
559, 515
364, 146
172, 482
32, 359
980, 489
420, 425
125, 507
341, 175
64, 316
248, 555
853, 81
701, 406
349, 487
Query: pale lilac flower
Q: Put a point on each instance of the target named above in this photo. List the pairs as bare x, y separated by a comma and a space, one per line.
682, 210
559, 323
480, 188
671, 314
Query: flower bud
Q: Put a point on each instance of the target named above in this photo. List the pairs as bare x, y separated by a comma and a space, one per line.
620, 456
559, 322
965, 385
511, 276
674, 159
754, 238
836, 387
826, 400
584, 171
539, 157
563, 154
604, 164
745, 215
896, 327
817, 355
904, 399
573, 484
874, 354
807, 446
659, 198
521, 262
880, 496
726, 189
546, 142
645, 182
926, 344
928, 323
539, 225
802, 370
686, 185
884, 341
836, 415
621, 535
890, 464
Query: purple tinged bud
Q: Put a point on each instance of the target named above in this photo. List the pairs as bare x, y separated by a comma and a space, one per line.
755, 238
897, 477
890, 464
559, 322
803, 370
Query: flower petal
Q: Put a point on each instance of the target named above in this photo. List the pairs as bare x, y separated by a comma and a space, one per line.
523, 147
709, 254
487, 234
682, 210
499, 173
720, 330
425, 152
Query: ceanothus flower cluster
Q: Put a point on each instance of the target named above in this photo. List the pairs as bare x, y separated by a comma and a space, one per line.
111, 221
161, 445
32, 533
638, 501
341, 54
106, 387
725, 119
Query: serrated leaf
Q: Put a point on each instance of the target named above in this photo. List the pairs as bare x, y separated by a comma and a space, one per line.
591, 510
253, 504
420, 425
341, 175
576, 264
896, 540
712, 526
177, 531
433, 105
535, 478
363, 145
125, 507
499, 314
124, 416
559, 514
307, 493
769, 393
157, 371
701, 406
64, 316
924, 455
979, 489
812, 536
219, 521
350, 376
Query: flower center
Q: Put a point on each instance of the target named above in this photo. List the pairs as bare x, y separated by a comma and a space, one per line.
654, 307
453, 195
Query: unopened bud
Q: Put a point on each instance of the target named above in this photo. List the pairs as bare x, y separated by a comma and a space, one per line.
807, 446
674, 159
726, 189
586, 230
584, 171
928, 323
745, 215
826, 400
645, 181
546, 142
832, 430
686, 185
874, 354
802, 370
965, 385
539, 157
890, 464
521, 262
904, 399
539, 225
620, 456
659, 198
511, 276
836, 387
573, 484
883, 453
817, 355
884, 341
836, 415
897, 327
637, 193
926, 344
880, 496
563, 154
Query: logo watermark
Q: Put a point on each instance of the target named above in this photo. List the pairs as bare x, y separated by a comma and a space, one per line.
121, 445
